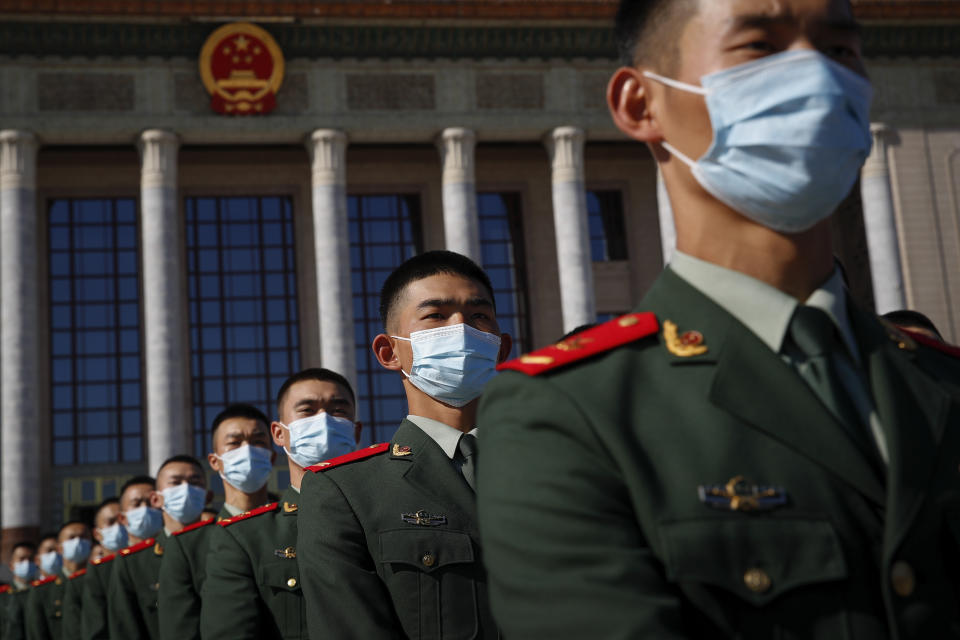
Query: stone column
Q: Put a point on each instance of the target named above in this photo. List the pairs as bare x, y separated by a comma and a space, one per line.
331, 241
668, 231
19, 369
565, 146
164, 297
461, 228
881, 225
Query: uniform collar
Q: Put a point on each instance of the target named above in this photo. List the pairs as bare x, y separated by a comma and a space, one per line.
444, 435
232, 510
764, 310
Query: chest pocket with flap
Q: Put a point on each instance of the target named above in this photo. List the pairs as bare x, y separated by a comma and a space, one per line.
431, 577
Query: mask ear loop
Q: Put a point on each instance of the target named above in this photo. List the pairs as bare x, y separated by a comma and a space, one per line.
682, 86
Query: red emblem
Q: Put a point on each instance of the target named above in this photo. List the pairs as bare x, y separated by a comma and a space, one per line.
242, 69
691, 338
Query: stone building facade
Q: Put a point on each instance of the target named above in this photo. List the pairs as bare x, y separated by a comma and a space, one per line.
160, 260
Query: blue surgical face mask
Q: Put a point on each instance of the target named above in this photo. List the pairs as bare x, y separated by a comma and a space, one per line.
790, 133
319, 437
76, 550
51, 563
144, 522
453, 364
25, 570
114, 537
184, 502
246, 468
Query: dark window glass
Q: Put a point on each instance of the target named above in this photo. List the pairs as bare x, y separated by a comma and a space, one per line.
608, 235
384, 231
501, 245
244, 334
96, 401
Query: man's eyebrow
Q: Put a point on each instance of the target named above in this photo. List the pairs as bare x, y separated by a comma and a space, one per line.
765, 20
479, 301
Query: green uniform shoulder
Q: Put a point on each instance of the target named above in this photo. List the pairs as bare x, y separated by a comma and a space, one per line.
4, 588
77, 574
140, 546
193, 527
267, 508
103, 560
372, 450
942, 347
586, 344
45, 581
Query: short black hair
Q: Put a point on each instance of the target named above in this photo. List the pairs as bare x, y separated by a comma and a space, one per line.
26, 544
182, 457
47, 535
910, 318
105, 502
430, 263
645, 30
137, 480
71, 522
238, 410
314, 373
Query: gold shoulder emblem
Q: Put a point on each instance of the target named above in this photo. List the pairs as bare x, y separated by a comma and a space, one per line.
684, 346
401, 451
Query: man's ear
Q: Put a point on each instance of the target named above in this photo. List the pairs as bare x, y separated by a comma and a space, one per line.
385, 353
506, 344
156, 500
277, 431
214, 462
629, 105
357, 428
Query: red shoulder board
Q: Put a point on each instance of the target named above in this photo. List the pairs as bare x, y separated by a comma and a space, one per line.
366, 452
77, 574
267, 508
585, 344
146, 544
927, 341
195, 525
42, 581
104, 559
4, 588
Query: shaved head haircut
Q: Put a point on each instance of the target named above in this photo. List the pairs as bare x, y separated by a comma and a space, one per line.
648, 32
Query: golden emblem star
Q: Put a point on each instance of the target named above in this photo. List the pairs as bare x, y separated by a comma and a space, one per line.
242, 43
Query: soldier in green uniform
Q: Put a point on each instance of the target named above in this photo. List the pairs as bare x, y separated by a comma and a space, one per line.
388, 542
43, 616
138, 521
181, 492
243, 457
24, 570
749, 455
48, 562
105, 519
252, 588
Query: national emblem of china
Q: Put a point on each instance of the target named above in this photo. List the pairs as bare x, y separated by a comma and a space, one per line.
242, 69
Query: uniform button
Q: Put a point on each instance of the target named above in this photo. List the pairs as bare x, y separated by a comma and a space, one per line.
428, 560
902, 579
57, 614
56, 603
292, 582
757, 580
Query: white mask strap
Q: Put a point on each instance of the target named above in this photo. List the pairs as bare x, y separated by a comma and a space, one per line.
678, 154
676, 84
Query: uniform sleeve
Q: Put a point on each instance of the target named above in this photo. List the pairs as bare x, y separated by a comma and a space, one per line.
72, 593
13, 624
177, 597
123, 611
345, 597
93, 610
561, 541
231, 598
35, 622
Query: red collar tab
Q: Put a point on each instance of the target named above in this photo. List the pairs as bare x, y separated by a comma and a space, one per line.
267, 508
4, 588
42, 581
195, 525
366, 452
146, 544
585, 344
104, 560
77, 574
927, 341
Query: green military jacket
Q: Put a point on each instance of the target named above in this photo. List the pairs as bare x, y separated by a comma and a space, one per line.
252, 590
14, 602
181, 580
679, 480
43, 615
388, 545
132, 596
93, 616
72, 604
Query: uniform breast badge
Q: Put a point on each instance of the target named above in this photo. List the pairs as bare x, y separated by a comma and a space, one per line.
737, 495
689, 344
401, 450
288, 553
423, 519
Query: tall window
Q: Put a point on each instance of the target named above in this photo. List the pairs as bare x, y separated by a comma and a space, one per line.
96, 395
501, 245
244, 339
608, 235
384, 231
